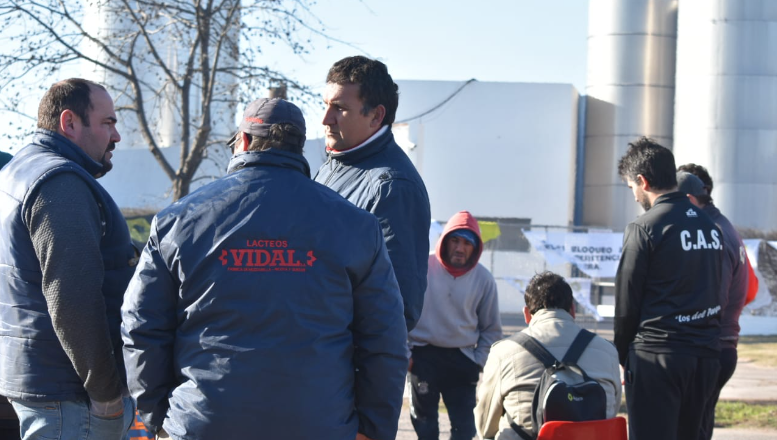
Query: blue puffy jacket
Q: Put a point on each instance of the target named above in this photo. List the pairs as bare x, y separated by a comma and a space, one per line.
380, 178
33, 363
265, 306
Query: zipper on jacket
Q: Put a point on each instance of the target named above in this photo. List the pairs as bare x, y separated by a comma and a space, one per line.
337, 168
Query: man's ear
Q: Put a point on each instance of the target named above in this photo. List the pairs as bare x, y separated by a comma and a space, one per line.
243, 144
526, 314
377, 119
69, 124
643, 183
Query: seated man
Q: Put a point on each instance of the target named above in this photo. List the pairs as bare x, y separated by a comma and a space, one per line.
512, 373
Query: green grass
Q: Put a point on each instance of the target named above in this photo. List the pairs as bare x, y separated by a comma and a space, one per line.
139, 228
761, 350
735, 414
746, 415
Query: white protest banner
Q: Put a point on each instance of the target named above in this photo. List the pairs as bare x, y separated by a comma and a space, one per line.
549, 244
581, 291
751, 247
596, 254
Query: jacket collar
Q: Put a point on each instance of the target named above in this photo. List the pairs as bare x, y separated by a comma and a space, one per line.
548, 314
363, 152
271, 157
670, 197
64, 147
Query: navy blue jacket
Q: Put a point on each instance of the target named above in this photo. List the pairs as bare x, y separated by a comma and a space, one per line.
265, 305
380, 178
33, 363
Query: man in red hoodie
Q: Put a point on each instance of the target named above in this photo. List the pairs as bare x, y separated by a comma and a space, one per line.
459, 322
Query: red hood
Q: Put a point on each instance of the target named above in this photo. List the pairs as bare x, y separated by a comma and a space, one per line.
460, 220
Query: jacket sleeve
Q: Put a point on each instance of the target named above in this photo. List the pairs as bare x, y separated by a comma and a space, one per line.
148, 330
65, 229
629, 287
489, 408
404, 214
379, 338
489, 323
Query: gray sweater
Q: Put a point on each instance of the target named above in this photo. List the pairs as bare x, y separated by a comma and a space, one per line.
460, 312
65, 228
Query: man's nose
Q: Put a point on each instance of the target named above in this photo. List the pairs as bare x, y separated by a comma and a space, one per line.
328, 117
116, 136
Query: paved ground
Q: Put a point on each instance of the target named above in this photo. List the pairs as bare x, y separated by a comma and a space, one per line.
406, 430
750, 383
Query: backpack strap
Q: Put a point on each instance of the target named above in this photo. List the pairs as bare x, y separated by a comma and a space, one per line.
522, 433
535, 348
578, 347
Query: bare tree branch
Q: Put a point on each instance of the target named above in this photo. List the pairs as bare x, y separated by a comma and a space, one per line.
176, 65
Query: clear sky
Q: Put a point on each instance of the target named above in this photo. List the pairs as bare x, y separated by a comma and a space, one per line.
450, 40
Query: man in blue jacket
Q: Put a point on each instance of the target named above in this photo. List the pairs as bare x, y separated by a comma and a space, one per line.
366, 166
265, 304
65, 260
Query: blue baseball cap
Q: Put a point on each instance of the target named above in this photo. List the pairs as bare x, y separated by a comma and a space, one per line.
465, 234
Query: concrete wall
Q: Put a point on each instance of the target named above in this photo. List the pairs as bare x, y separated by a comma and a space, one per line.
494, 149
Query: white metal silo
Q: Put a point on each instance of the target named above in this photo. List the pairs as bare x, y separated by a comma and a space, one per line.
630, 93
726, 103
162, 98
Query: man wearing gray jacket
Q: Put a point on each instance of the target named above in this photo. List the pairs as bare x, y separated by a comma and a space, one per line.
458, 324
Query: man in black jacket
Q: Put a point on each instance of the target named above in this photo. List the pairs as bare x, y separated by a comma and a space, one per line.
666, 301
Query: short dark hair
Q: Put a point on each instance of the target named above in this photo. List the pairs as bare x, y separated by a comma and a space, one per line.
654, 162
285, 137
703, 175
548, 290
72, 94
375, 84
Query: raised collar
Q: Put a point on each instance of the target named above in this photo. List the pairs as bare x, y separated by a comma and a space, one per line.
366, 150
271, 157
670, 197
64, 147
548, 314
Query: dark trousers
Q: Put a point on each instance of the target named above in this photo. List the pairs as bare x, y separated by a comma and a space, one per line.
666, 394
728, 363
449, 372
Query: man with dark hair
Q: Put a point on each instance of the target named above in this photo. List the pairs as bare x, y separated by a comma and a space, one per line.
65, 260
666, 301
734, 281
366, 166
512, 373
459, 322
265, 302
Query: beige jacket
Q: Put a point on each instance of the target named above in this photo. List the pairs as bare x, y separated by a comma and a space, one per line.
512, 373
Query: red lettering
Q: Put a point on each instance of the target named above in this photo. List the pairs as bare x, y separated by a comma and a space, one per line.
262, 257
277, 258
291, 260
237, 256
